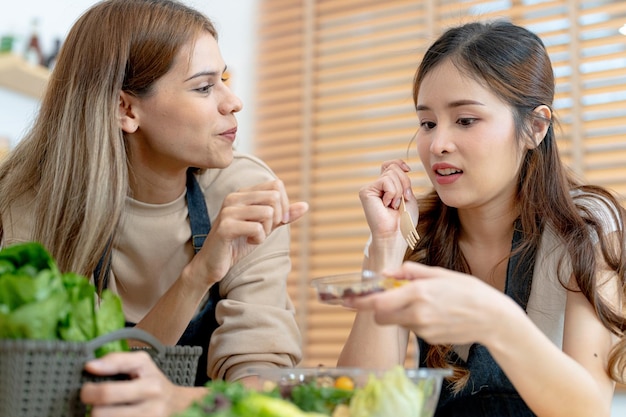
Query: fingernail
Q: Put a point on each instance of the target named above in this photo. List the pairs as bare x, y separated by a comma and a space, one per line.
286, 218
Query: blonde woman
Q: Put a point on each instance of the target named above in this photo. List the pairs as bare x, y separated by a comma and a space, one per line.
129, 175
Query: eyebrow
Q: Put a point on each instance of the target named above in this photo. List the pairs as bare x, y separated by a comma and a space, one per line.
452, 105
205, 73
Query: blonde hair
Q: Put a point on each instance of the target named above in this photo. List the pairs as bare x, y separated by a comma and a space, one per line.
74, 158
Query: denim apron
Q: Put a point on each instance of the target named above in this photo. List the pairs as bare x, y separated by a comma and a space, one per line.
201, 327
489, 393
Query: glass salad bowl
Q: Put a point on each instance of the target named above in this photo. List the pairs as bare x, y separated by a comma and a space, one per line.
344, 392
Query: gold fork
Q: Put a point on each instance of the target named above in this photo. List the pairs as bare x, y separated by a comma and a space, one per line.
407, 227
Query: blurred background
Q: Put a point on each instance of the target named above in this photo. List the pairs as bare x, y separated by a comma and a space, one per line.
235, 21
326, 86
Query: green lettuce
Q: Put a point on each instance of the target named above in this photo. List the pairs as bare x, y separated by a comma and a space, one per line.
39, 302
394, 394
260, 405
232, 399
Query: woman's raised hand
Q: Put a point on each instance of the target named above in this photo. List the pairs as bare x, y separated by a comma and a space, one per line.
246, 219
381, 198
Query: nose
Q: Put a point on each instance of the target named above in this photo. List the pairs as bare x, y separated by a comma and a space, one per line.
442, 141
230, 103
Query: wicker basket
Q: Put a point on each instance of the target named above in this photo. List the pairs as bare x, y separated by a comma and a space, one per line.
43, 378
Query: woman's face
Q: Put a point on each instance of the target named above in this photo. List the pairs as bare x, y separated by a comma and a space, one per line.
189, 118
466, 140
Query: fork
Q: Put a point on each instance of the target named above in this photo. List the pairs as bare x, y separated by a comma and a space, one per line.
407, 227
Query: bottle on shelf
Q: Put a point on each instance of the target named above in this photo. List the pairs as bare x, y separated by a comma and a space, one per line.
33, 53
51, 59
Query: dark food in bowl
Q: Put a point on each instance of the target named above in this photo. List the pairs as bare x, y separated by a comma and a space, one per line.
334, 298
335, 288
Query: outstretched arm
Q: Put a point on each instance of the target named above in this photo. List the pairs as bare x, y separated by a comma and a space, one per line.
447, 307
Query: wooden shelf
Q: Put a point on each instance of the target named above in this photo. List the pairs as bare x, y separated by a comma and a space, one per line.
19, 76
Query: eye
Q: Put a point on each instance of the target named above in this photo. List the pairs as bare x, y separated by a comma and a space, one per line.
204, 89
426, 125
466, 121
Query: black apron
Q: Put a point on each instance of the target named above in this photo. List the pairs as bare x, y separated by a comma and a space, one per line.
489, 393
201, 327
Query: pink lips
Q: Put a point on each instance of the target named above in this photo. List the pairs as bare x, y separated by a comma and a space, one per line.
230, 134
449, 178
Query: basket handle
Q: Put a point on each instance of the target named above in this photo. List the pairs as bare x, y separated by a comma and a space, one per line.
133, 333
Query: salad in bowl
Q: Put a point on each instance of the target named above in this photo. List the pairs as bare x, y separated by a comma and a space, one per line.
326, 392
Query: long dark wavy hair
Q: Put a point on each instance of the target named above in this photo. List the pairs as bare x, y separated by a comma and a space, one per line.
513, 63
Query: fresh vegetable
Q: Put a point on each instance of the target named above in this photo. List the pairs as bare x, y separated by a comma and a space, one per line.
394, 394
344, 382
219, 400
319, 398
37, 301
232, 399
260, 405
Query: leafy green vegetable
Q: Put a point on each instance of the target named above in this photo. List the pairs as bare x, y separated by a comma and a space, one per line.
260, 405
110, 318
80, 323
232, 399
394, 394
36, 320
32, 254
321, 399
31, 303
6, 266
37, 301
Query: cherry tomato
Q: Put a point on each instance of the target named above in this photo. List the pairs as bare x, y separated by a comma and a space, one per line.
345, 383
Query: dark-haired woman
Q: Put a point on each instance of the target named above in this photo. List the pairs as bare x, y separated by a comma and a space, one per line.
517, 283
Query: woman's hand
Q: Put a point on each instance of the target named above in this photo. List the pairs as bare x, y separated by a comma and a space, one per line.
439, 305
148, 392
381, 198
246, 219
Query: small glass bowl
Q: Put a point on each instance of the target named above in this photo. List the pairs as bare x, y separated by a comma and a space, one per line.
334, 289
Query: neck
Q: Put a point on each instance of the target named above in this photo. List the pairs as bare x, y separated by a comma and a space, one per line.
157, 187
487, 229
485, 241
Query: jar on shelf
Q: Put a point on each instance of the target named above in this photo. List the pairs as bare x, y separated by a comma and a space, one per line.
34, 54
